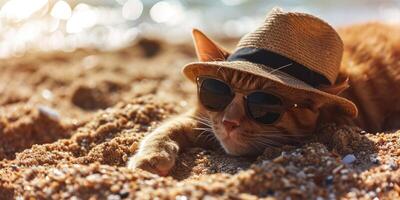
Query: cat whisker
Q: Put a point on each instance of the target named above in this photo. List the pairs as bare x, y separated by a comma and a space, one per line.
203, 128
211, 138
280, 140
264, 133
256, 147
207, 137
288, 136
279, 135
269, 131
201, 116
260, 145
264, 137
202, 134
221, 148
207, 124
202, 119
279, 68
267, 142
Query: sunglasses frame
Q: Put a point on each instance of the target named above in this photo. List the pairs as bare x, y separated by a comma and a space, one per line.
281, 109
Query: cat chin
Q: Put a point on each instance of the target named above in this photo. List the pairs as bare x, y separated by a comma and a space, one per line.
235, 149
233, 152
233, 144
240, 151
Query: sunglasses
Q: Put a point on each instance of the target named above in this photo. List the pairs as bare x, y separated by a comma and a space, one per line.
262, 107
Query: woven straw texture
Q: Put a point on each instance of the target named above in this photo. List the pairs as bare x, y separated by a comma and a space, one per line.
298, 36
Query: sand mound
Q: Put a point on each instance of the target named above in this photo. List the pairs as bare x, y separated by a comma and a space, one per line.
70, 121
23, 126
91, 164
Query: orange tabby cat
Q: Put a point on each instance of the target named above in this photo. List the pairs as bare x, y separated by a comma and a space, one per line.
372, 62
374, 76
158, 151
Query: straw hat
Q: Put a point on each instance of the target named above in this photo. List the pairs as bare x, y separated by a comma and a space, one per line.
296, 50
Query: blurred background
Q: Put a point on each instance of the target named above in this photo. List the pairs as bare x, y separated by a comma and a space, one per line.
47, 25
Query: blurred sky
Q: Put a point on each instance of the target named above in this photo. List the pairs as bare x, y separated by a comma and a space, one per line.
108, 24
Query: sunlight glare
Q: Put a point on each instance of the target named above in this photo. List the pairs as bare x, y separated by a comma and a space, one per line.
132, 9
83, 17
61, 10
390, 15
121, 2
18, 10
170, 12
233, 2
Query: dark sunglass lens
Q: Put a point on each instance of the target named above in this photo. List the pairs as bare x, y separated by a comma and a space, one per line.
260, 106
215, 94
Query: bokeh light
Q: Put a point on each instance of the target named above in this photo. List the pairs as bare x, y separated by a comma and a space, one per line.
47, 25
132, 9
233, 2
121, 2
170, 12
17, 10
61, 10
83, 17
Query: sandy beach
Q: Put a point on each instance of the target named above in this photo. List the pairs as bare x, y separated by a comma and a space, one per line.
70, 120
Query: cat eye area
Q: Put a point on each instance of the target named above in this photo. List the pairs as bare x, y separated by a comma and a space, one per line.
261, 106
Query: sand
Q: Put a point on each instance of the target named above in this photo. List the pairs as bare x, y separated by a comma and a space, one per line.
70, 121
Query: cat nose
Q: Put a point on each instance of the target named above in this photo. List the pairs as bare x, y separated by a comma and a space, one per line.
230, 124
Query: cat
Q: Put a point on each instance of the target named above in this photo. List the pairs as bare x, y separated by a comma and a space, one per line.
158, 150
370, 66
371, 63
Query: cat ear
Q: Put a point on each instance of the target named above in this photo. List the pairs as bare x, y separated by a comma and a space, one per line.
337, 88
206, 49
341, 85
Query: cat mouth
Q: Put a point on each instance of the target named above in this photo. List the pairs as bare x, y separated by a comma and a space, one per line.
232, 138
235, 145
230, 135
234, 148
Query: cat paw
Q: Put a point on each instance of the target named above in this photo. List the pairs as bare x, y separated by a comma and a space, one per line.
157, 162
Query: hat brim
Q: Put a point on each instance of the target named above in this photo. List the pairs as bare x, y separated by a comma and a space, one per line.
192, 70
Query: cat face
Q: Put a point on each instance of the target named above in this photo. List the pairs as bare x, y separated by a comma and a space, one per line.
239, 134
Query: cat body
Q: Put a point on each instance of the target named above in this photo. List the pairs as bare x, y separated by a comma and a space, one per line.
370, 62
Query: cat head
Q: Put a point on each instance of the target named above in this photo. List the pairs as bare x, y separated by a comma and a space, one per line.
235, 130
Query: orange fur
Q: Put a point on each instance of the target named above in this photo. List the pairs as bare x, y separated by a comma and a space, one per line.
371, 63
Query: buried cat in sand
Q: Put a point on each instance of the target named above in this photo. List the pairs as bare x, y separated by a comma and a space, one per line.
274, 89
